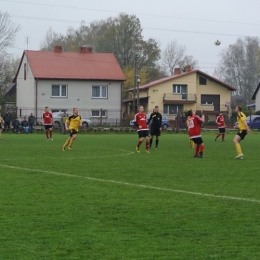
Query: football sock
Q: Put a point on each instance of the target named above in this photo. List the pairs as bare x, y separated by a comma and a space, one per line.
71, 142
147, 145
201, 148
151, 141
50, 133
47, 135
157, 141
66, 143
223, 137
197, 150
238, 147
218, 135
139, 143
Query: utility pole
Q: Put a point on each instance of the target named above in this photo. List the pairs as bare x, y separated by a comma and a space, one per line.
135, 64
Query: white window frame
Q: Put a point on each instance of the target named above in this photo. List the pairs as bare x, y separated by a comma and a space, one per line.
104, 113
100, 91
60, 94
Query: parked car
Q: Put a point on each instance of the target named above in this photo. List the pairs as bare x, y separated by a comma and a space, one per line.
165, 121
254, 123
57, 120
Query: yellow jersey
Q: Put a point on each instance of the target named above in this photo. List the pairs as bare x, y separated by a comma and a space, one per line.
74, 122
240, 118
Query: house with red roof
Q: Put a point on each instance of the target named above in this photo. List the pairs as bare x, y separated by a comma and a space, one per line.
192, 89
91, 82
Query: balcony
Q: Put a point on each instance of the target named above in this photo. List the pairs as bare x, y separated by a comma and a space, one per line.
170, 98
211, 108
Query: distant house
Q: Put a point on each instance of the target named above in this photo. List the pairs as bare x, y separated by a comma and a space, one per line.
61, 80
183, 91
256, 97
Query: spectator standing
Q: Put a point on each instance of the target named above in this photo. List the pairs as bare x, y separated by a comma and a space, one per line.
7, 119
25, 125
64, 118
31, 122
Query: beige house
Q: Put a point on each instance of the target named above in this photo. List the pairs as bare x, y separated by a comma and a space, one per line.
181, 92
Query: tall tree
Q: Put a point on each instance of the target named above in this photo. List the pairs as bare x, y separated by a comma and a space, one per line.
239, 66
8, 30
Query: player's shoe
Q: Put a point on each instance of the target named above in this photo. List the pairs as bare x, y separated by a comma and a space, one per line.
239, 156
69, 148
156, 147
147, 151
201, 155
63, 148
196, 156
137, 149
51, 139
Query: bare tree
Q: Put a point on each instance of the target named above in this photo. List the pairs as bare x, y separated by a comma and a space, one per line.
8, 30
172, 56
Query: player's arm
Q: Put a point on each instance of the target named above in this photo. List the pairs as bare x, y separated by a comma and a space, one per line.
202, 118
66, 124
43, 118
80, 122
150, 118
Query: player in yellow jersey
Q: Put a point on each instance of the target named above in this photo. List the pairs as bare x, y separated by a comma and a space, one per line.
243, 129
74, 122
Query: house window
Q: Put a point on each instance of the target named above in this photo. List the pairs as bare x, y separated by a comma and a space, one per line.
203, 81
180, 89
59, 90
99, 91
99, 113
24, 73
172, 109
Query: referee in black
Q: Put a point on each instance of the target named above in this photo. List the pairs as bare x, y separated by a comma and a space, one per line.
156, 126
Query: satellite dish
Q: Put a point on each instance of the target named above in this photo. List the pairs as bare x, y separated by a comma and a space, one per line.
217, 42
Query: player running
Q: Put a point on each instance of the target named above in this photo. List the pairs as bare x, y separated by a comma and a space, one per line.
47, 119
194, 124
142, 129
220, 120
74, 122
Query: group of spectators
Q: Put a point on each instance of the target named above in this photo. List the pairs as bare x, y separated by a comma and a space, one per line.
26, 125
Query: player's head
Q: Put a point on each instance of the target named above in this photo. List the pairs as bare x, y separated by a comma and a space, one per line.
75, 111
221, 114
141, 109
46, 109
238, 109
191, 112
156, 109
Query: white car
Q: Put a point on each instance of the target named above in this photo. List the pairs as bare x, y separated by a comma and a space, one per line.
57, 120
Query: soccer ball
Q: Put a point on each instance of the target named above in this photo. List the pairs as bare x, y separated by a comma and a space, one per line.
217, 42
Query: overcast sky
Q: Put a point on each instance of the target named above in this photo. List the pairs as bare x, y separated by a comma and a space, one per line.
196, 24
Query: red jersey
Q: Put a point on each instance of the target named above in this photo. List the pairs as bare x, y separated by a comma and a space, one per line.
47, 118
221, 122
194, 123
140, 120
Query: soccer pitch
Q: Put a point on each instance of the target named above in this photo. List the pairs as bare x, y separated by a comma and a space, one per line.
102, 200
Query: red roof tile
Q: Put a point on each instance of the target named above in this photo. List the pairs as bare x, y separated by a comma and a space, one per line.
74, 65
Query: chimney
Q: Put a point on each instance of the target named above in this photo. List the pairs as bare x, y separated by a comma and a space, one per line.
188, 69
85, 50
58, 48
177, 71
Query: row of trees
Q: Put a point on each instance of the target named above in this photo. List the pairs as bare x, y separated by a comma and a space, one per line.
239, 64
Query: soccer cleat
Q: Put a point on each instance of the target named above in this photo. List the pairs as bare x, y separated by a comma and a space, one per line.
51, 139
156, 147
239, 156
137, 149
63, 148
196, 156
201, 155
69, 148
147, 151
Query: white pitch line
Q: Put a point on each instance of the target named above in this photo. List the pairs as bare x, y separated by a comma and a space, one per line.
133, 184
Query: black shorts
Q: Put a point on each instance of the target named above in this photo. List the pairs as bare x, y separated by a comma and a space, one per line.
222, 130
73, 132
143, 133
197, 140
47, 127
242, 134
155, 130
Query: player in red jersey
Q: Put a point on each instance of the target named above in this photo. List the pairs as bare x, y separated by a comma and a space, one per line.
194, 124
220, 120
47, 121
142, 129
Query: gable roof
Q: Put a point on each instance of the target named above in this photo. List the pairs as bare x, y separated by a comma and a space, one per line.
255, 93
159, 81
73, 65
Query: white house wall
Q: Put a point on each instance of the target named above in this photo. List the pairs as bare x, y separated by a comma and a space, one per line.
257, 101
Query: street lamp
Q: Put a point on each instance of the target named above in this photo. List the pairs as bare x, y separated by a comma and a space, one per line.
138, 82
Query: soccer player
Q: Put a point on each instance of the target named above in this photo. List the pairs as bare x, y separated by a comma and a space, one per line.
243, 129
194, 123
74, 122
47, 122
220, 120
191, 142
156, 126
142, 129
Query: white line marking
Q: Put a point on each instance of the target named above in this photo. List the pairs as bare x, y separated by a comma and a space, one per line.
133, 184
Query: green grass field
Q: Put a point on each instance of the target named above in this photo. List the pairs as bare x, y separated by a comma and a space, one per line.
104, 201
